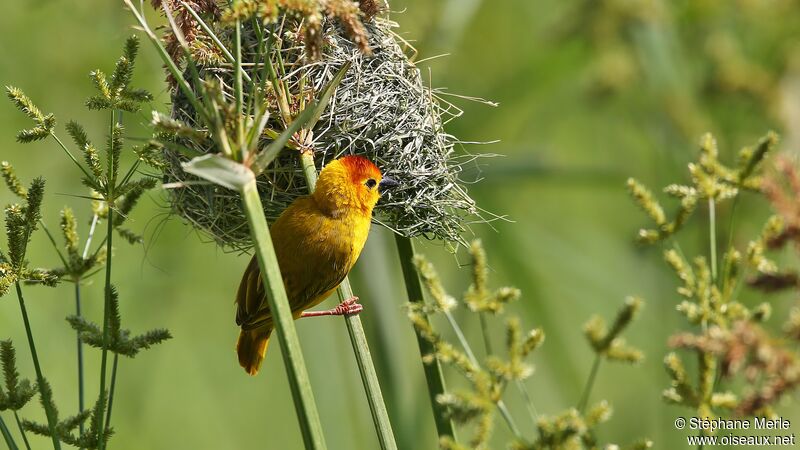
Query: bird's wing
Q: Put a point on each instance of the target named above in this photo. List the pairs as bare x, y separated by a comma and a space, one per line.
315, 293
315, 252
250, 297
315, 263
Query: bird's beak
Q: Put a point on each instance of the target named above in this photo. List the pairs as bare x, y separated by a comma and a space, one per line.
387, 183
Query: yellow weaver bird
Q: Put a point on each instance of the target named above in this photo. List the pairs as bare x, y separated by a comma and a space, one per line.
317, 240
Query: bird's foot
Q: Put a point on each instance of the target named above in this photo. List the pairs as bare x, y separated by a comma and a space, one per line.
348, 307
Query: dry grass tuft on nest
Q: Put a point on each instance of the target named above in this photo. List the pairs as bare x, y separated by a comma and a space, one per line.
381, 110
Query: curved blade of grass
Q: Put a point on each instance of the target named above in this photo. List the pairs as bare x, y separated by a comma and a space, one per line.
271, 152
327, 94
170, 64
219, 170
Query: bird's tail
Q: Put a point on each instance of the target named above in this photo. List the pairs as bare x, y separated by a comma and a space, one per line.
251, 347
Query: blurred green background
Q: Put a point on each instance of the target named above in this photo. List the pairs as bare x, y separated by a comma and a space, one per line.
589, 92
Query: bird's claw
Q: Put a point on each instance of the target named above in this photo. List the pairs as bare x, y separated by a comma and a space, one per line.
349, 307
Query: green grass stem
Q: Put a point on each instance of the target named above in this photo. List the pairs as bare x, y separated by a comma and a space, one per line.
283, 320
81, 404
7, 437
106, 314
169, 63
51, 415
487, 342
587, 389
239, 92
501, 405
107, 304
434, 377
369, 377
81, 384
22, 431
72, 157
53, 242
358, 338
111, 389
712, 231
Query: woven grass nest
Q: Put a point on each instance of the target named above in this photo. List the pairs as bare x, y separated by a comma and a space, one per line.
381, 110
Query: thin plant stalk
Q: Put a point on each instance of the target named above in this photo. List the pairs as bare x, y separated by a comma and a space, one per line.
726, 274
81, 391
462, 339
358, 338
238, 91
712, 231
7, 435
712, 242
53, 241
434, 377
501, 405
506, 414
71, 156
587, 390
106, 314
51, 416
81, 404
369, 377
111, 389
113, 384
307, 415
22, 431
532, 413
487, 342
107, 305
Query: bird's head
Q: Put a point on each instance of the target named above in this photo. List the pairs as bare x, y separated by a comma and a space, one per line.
350, 183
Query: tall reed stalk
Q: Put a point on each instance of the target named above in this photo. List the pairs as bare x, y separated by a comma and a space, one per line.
434, 377
305, 407
78, 313
107, 290
380, 416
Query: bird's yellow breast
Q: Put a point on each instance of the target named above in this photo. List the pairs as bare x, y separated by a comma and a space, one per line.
316, 249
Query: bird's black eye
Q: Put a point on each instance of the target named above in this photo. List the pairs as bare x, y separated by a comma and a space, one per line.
371, 183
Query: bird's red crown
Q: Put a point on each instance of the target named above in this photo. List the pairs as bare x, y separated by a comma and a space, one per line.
360, 168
